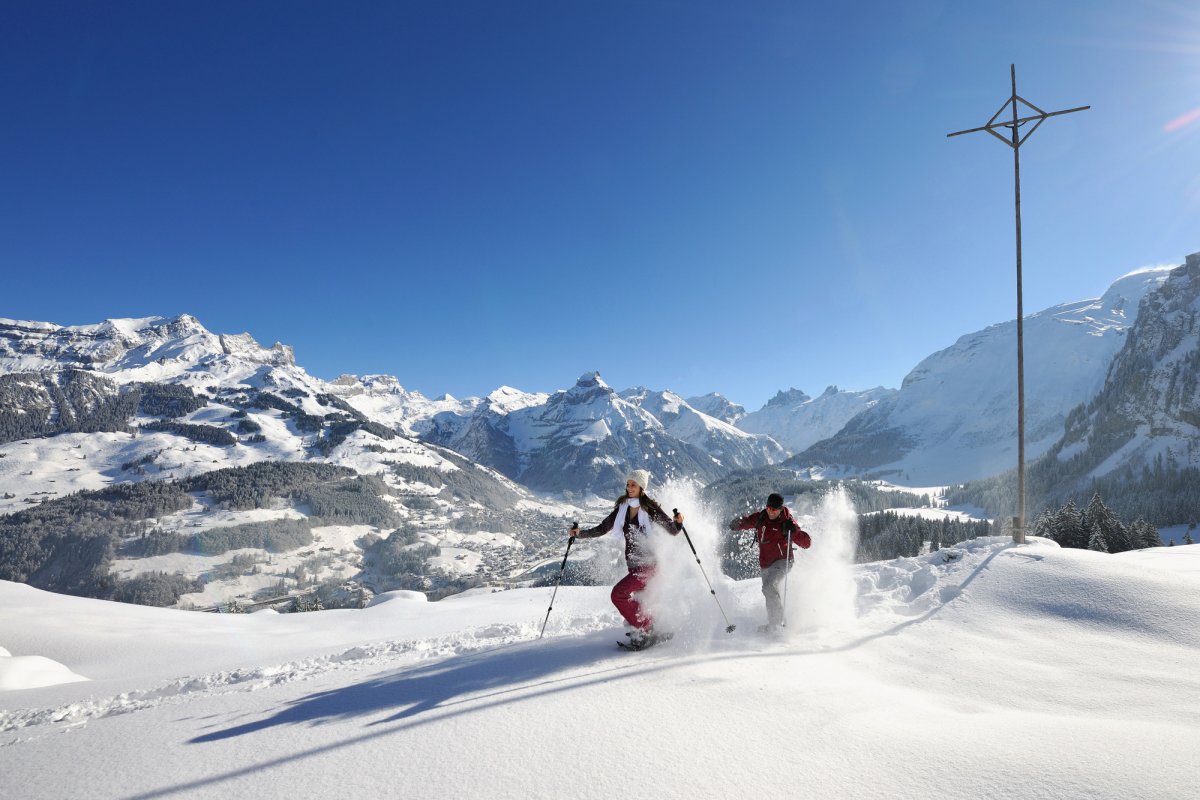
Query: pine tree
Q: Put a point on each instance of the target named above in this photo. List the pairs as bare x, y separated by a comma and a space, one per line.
1100, 518
1144, 534
1043, 525
1068, 527
1096, 541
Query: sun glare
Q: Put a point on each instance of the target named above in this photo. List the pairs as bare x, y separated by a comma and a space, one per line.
1182, 121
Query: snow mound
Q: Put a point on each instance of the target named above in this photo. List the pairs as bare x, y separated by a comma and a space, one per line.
32, 672
399, 594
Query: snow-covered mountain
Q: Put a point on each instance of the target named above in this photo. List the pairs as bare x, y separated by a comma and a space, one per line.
733, 447
797, 421
582, 439
718, 406
382, 398
954, 418
85, 408
181, 351
147, 349
485, 432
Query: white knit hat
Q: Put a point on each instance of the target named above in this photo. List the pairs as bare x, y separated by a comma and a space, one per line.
641, 477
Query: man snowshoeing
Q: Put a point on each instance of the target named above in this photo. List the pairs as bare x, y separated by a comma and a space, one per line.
772, 526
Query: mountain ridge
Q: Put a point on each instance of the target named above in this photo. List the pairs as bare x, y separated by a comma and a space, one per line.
953, 419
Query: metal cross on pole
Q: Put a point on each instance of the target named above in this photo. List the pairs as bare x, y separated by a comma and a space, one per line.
1014, 140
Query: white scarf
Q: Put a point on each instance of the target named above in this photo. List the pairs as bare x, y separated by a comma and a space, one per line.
643, 517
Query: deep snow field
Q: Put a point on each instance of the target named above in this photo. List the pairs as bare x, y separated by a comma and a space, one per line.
983, 670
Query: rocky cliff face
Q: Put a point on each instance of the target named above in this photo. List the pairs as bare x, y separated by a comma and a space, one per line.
153, 348
1149, 408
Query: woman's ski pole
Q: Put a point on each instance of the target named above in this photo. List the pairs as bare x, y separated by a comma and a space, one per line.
570, 541
728, 628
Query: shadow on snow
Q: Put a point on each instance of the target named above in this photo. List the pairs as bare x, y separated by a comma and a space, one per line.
478, 681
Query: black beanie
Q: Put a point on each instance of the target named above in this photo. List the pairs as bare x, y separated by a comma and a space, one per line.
775, 501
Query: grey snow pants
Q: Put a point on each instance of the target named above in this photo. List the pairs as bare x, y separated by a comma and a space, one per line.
772, 589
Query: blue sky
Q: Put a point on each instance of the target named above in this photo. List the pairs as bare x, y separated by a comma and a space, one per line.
701, 196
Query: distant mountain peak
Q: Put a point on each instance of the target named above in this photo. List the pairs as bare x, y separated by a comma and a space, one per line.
243, 345
717, 406
136, 349
790, 397
589, 386
506, 399
797, 421
589, 379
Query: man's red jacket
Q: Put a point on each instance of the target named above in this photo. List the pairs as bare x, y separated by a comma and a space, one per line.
772, 534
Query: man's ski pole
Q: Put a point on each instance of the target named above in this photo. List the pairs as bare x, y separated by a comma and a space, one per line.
570, 541
728, 628
787, 568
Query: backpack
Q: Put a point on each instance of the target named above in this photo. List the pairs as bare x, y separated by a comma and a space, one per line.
763, 519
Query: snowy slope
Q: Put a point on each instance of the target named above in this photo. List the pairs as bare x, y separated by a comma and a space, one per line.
717, 406
986, 670
954, 417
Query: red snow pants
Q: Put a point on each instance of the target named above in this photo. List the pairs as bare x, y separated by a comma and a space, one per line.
629, 606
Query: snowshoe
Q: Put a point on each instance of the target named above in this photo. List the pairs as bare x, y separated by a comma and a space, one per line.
640, 641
